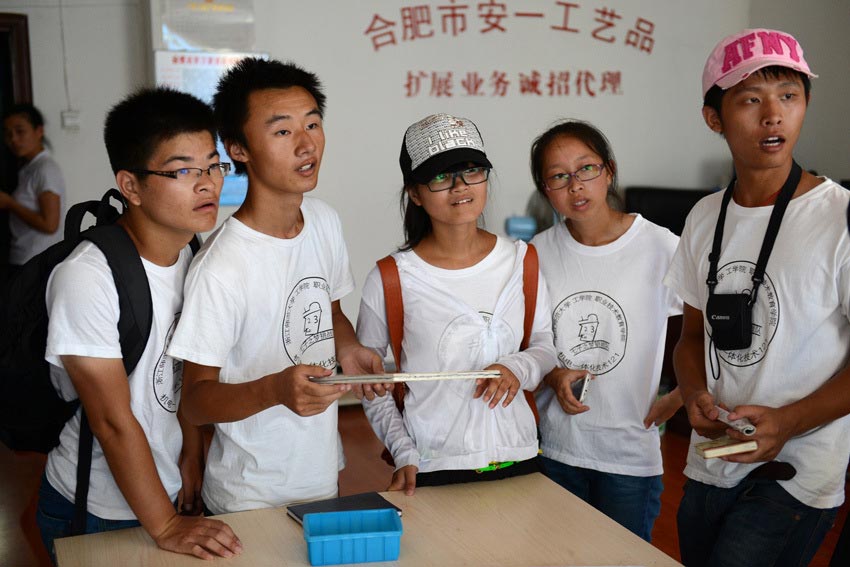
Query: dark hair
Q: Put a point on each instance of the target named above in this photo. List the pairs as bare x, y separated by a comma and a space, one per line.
32, 114
588, 134
139, 123
714, 96
253, 74
416, 221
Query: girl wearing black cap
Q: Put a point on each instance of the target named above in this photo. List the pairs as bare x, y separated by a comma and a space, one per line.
463, 309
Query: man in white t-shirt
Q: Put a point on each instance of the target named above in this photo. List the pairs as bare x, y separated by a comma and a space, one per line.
161, 146
262, 311
787, 371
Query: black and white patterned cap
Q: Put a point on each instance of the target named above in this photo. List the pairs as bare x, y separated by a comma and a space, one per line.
436, 144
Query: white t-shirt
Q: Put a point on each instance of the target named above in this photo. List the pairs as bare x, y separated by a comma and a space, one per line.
609, 317
256, 305
41, 174
458, 320
801, 332
83, 306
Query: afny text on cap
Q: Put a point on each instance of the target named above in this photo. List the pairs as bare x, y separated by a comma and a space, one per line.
738, 56
437, 143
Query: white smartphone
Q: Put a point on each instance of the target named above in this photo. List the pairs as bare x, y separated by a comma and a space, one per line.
580, 387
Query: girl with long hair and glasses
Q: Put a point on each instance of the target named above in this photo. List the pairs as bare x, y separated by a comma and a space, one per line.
604, 269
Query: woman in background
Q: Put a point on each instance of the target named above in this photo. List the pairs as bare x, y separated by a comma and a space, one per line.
36, 206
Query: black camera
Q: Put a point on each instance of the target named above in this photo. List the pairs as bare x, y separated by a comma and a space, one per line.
731, 318
731, 314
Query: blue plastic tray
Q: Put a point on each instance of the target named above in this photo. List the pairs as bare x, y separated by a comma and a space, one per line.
358, 536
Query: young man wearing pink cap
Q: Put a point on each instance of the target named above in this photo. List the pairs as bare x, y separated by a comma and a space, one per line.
764, 270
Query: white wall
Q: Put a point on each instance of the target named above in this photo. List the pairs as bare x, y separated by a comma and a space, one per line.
655, 126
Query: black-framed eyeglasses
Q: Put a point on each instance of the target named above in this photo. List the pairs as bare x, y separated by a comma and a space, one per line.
470, 176
216, 171
584, 173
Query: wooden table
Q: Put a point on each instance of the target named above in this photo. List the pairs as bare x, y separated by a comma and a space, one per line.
524, 521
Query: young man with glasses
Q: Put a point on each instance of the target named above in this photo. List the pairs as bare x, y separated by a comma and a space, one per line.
769, 340
262, 313
161, 145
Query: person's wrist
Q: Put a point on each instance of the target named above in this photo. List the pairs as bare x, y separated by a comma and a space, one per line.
688, 396
552, 377
158, 527
345, 349
789, 421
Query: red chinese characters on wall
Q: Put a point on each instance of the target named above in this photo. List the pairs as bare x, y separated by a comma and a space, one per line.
534, 83
216, 60
454, 18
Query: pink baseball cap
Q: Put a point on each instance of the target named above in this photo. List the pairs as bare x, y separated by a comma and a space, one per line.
736, 57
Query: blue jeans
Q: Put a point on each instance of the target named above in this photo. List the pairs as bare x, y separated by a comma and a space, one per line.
754, 524
634, 502
55, 513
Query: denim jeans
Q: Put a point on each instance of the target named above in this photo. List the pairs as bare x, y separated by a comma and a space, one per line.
754, 524
55, 513
634, 502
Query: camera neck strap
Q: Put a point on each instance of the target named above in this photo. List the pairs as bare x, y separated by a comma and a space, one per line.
782, 201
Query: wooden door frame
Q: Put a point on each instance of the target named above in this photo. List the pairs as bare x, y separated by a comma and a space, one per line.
16, 26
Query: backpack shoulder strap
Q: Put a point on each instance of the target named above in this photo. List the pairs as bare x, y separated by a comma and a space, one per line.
529, 290
131, 282
530, 267
394, 305
134, 327
102, 210
395, 317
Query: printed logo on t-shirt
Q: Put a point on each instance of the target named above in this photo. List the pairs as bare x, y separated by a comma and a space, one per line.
308, 324
464, 334
591, 332
168, 374
736, 277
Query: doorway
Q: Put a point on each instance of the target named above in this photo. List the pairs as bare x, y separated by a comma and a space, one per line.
15, 87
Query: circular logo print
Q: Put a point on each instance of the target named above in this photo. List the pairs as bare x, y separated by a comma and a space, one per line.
308, 325
591, 332
736, 277
469, 339
168, 374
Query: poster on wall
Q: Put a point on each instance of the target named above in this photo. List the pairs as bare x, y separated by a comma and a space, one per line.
203, 25
198, 73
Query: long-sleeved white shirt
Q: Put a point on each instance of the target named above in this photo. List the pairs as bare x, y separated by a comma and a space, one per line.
459, 320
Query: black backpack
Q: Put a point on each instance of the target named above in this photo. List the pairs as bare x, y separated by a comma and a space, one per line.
32, 414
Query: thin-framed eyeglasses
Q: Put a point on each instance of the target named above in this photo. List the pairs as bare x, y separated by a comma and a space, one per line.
470, 176
584, 173
215, 171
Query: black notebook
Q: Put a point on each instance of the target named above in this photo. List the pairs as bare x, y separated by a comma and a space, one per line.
364, 501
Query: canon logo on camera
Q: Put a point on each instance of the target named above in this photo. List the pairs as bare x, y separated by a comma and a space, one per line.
719, 317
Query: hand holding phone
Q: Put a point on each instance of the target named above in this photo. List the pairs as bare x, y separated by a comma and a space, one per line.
580, 387
570, 385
